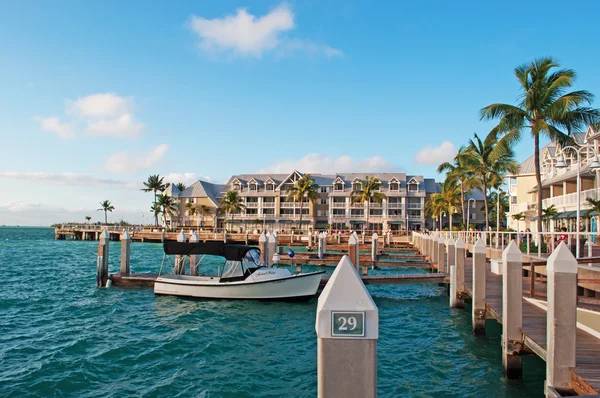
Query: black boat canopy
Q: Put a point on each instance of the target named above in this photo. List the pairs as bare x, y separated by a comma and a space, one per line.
229, 251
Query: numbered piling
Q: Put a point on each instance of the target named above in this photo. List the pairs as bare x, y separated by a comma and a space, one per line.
374, 247
179, 259
325, 235
478, 289
339, 238
353, 250
441, 256
262, 246
561, 319
193, 258
272, 248
320, 247
125, 252
512, 311
347, 328
102, 260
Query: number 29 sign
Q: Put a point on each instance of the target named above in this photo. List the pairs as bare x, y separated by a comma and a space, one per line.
348, 324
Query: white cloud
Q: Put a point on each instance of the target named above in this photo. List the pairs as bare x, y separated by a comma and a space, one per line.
248, 35
101, 105
436, 155
19, 205
123, 162
103, 114
186, 178
123, 126
324, 164
53, 125
71, 179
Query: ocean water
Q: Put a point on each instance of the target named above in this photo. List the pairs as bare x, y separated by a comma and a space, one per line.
60, 336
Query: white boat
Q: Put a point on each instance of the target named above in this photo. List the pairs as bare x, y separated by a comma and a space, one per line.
242, 277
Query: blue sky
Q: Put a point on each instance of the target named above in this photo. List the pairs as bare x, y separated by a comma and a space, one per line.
98, 95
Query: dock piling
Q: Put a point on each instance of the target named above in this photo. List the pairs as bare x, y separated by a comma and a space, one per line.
478, 288
271, 248
102, 260
561, 319
262, 246
374, 238
179, 259
459, 258
353, 250
125, 252
320, 246
441, 254
193, 259
512, 311
347, 328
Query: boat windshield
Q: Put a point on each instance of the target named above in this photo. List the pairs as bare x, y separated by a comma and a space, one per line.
232, 269
252, 259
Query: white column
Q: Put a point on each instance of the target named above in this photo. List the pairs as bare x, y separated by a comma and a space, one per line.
478, 289
512, 310
125, 252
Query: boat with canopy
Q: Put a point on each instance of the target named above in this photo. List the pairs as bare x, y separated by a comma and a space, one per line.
243, 276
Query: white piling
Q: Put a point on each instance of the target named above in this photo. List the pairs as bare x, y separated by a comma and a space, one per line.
193, 258
374, 247
125, 252
512, 310
271, 248
179, 259
102, 260
353, 250
459, 258
478, 289
263, 247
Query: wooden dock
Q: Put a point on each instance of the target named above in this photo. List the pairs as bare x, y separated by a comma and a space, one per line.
586, 375
146, 280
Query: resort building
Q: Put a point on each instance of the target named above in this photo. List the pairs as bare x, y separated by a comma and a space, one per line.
559, 168
267, 208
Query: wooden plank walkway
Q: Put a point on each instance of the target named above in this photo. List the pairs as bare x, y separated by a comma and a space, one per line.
586, 375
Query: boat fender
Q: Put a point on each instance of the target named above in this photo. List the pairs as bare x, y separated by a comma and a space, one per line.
108, 283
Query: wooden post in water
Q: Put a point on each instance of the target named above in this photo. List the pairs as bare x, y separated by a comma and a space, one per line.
459, 258
452, 270
320, 246
193, 259
246, 238
271, 248
434, 251
561, 319
512, 311
353, 250
125, 252
339, 238
347, 328
478, 288
102, 260
374, 238
262, 246
325, 234
292, 237
179, 259
362, 237
441, 256
225, 236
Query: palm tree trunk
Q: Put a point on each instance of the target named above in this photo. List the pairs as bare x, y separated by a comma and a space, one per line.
155, 215
368, 206
538, 179
105, 218
485, 199
301, 207
462, 203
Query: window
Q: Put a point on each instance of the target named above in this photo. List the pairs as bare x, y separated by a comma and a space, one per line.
237, 187
413, 187
339, 212
356, 186
251, 211
339, 187
472, 216
323, 189
270, 187
253, 187
394, 186
268, 211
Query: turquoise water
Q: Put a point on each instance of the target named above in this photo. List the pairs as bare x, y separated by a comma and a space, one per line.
60, 336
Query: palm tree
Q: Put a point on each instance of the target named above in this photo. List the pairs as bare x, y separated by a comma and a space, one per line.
489, 160
305, 187
595, 204
544, 110
106, 206
449, 197
180, 186
205, 211
231, 203
167, 205
518, 217
88, 219
434, 207
368, 192
459, 171
155, 209
191, 207
549, 213
493, 201
154, 184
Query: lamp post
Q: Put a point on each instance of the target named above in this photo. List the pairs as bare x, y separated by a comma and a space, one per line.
450, 211
593, 165
442, 214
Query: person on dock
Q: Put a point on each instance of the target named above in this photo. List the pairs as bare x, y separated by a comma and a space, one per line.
563, 237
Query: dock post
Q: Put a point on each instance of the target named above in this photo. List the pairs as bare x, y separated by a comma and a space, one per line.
478, 288
125, 252
339, 238
162, 236
362, 239
347, 328
102, 260
320, 246
246, 239
434, 251
353, 250
459, 258
325, 234
292, 237
450, 253
179, 259
374, 247
271, 248
512, 311
263, 247
224, 236
441, 256
193, 259
561, 319
590, 246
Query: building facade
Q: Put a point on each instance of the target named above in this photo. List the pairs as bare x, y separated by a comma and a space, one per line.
559, 185
267, 208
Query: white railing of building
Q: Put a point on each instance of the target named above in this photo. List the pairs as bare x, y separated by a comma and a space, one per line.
570, 199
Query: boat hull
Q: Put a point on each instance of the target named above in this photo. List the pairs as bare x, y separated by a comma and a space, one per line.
295, 287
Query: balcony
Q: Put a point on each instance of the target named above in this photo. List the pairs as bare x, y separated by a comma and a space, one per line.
252, 205
414, 217
375, 206
289, 205
338, 216
569, 199
394, 205
338, 205
268, 204
356, 206
414, 206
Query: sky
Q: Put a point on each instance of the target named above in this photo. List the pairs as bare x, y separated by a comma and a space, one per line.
96, 96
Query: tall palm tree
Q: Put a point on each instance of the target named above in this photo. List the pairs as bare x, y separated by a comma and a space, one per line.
167, 206
459, 171
518, 217
595, 204
489, 160
305, 187
493, 201
180, 186
549, 213
88, 219
154, 184
205, 211
368, 192
434, 206
544, 109
106, 206
156, 210
191, 207
449, 197
231, 203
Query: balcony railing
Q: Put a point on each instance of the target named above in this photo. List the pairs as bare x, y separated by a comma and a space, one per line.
252, 205
394, 205
338, 216
570, 199
339, 205
414, 206
268, 204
